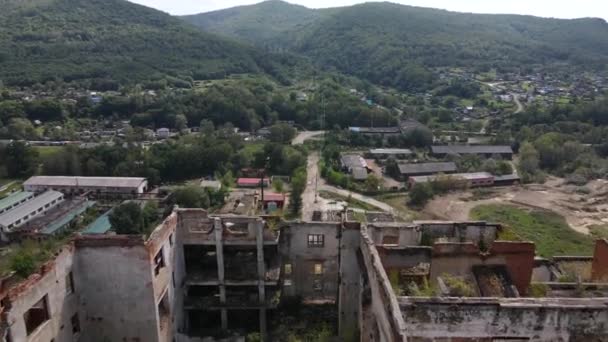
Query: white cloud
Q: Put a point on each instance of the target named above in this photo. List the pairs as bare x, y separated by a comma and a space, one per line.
544, 8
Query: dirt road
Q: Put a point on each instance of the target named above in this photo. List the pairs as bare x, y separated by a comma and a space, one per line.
306, 135
520, 107
308, 197
314, 181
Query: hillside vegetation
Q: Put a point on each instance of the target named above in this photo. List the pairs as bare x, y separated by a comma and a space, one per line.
42, 40
395, 45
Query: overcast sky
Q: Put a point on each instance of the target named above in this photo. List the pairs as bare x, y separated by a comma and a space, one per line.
544, 8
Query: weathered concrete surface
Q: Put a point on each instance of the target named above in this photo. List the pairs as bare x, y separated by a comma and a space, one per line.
382, 316
51, 282
295, 250
482, 318
350, 283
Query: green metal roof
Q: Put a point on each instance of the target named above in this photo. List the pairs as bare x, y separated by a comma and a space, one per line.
100, 226
63, 221
17, 197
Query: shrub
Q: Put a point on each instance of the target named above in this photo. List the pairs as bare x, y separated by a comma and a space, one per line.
458, 287
538, 290
420, 194
23, 263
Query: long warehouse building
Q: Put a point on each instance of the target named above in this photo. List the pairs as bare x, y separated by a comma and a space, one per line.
25, 212
81, 185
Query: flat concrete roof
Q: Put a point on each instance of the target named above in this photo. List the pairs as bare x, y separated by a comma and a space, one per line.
115, 182
390, 151
472, 149
465, 176
409, 169
28, 207
14, 198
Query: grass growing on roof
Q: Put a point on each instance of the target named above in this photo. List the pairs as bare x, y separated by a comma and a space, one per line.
550, 231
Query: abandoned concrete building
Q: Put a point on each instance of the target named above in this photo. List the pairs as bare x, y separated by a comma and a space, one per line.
199, 276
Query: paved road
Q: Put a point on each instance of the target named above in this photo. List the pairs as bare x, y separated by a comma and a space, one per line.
306, 135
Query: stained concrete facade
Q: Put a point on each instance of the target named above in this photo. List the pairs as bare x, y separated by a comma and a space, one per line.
116, 292
315, 265
52, 287
127, 288
474, 319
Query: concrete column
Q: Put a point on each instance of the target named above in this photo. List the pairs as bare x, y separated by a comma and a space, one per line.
219, 249
259, 240
261, 275
224, 313
350, 285
263, 330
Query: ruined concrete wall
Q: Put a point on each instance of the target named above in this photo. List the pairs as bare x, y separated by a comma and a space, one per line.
118, 300
391, 233
296, 251
162, 241
404, 257
599, 269
179, 276
62, 304
382, 319
475, 318
459, 231
459, 258
350, 283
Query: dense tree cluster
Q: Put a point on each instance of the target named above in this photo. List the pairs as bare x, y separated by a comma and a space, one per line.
395, 45
105, 42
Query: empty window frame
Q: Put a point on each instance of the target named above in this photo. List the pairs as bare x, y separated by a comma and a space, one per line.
69, 283
159, 262
36, 315
316, 240
318, 269
75, 320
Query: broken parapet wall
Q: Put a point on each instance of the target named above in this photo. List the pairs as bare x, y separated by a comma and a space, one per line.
575, 320
458, 231
381, 318
50, 286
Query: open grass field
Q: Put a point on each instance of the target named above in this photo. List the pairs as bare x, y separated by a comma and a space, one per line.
45, 151
552, 235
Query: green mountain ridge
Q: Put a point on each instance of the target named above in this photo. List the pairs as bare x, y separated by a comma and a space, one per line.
42, 40
395, 45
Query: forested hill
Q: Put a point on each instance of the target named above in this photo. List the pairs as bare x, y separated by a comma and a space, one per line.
395, 45
268, 22
111, 40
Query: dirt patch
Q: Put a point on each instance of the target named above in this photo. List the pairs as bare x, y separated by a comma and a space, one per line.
581, 207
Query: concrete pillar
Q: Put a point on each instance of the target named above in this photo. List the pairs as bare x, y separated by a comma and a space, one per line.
263, 330
219, 249
350, 285
259, 241
224, 316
